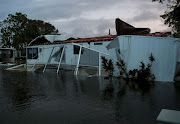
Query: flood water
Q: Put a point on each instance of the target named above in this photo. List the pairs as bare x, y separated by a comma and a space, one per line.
27, 97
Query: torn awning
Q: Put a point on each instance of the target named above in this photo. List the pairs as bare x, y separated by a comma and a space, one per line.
113, 45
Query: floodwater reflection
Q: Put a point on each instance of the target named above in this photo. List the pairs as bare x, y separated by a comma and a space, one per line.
50, 97
17, 90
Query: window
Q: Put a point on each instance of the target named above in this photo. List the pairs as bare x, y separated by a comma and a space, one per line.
35, 53
32, 53
76, 49
40, 50
11, 54
29, 53
98, 43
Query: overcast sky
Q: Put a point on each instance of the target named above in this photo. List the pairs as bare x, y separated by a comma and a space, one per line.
89, 18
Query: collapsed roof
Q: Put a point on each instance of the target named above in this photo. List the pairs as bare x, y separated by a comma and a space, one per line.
47, 38
123, 28
44, 41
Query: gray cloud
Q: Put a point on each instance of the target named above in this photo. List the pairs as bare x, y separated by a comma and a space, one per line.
53, 9
145, 15
148, 11
68, 16
86, 28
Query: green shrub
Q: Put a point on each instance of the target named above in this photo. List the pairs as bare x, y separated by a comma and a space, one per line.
122, 69
108, 66
141, 75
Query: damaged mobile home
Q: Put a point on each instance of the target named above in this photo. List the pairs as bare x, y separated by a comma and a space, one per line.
56, 50
133, 45
7, 55
134, 49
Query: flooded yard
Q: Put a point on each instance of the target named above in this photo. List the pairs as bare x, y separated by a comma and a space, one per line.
30, 97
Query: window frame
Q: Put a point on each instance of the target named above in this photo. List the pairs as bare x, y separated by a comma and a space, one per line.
99, 43
76, 50
33, 54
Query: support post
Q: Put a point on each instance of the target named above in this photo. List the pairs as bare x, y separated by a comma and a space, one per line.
77, 66
15, 67
26, 55
34, 65
61, 59
48, 60
99, 64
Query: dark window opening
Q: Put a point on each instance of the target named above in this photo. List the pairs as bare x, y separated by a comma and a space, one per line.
11, 54
29, 53
40, 50
98, 43
76, 49
35, 53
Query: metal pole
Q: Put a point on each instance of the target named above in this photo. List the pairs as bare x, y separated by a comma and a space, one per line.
61, 58
77, 66
99, 64
15, 67
26, 55
34, 65
48, 60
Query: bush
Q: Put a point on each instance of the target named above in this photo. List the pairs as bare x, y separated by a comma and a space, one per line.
122, 69
141, 75
108, 66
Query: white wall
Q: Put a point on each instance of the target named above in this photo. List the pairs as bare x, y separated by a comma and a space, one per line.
70, 57
135, 49
43, 56
178, 51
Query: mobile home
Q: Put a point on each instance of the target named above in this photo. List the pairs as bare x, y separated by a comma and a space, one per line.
43, 51
135, 49
7, 55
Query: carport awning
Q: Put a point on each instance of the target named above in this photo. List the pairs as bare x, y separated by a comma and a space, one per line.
57, 55
113, 45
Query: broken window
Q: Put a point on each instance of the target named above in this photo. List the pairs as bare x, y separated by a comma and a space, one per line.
76, 49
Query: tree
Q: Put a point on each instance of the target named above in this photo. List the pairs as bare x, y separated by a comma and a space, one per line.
171, 16
161, 1
17, 30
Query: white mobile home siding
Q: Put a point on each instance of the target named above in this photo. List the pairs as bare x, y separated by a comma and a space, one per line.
134, 49
70, 57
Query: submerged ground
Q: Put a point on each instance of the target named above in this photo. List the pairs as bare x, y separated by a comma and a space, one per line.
27, 97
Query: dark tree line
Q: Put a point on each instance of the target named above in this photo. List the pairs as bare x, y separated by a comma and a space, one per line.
17, 30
